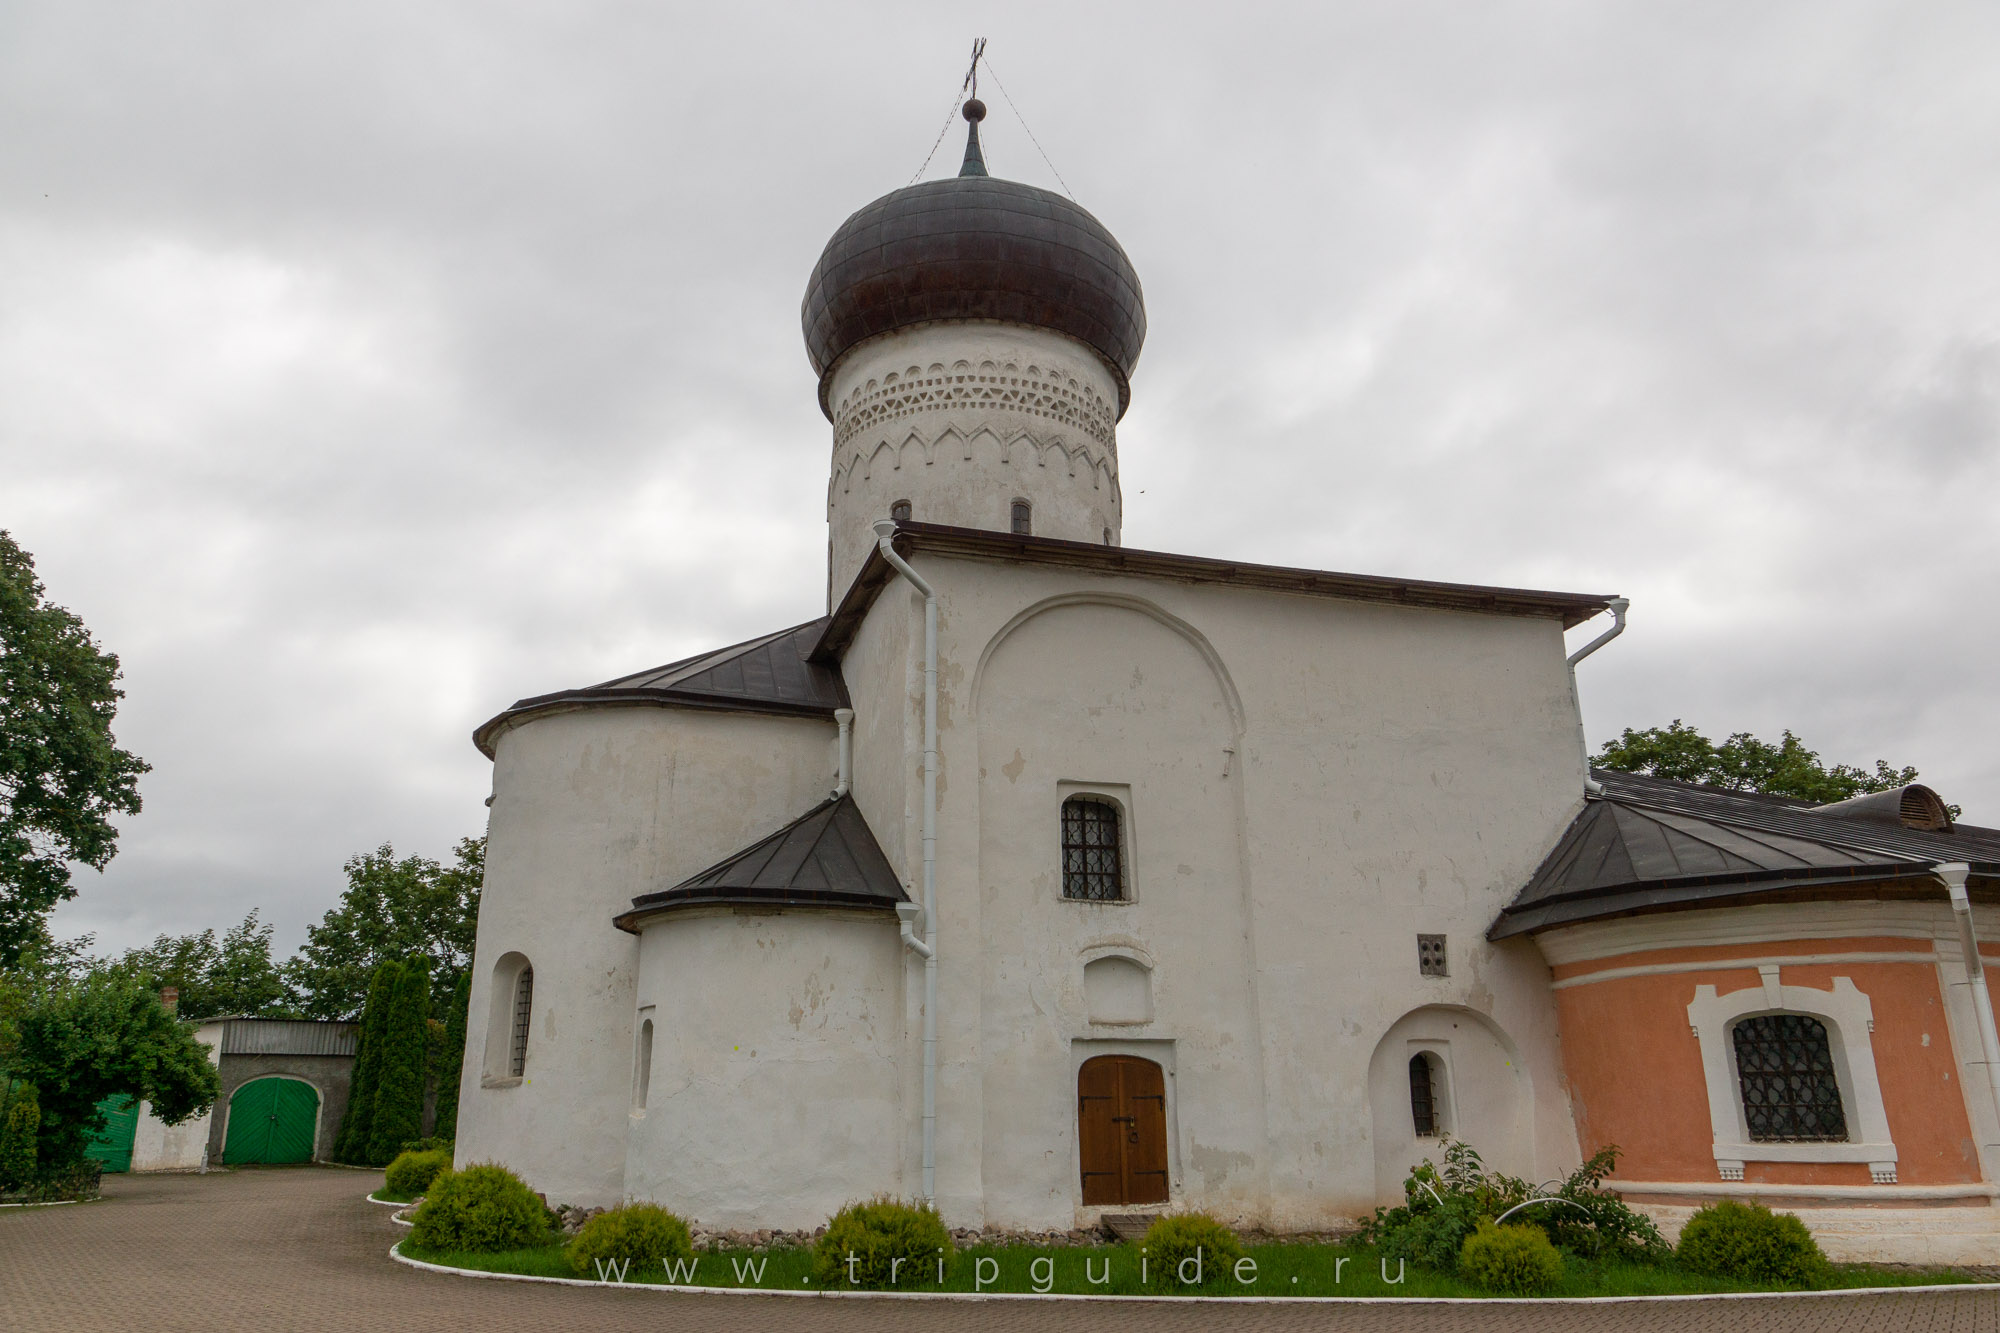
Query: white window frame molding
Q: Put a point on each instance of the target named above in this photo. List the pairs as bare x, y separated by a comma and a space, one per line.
1849, 1020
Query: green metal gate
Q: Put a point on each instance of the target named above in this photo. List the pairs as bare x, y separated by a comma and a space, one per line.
112, 1147
271, 1120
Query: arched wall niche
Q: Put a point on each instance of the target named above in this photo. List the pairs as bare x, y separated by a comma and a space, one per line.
1195, 639
498, 1065
1118, 990
1486, 1096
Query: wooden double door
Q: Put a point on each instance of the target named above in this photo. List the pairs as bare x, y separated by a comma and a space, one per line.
1121, 1125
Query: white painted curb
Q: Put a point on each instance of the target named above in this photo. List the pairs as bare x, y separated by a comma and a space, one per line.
396, 1253
49, 1203
391, 1203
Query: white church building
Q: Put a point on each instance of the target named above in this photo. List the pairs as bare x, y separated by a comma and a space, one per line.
1043, 876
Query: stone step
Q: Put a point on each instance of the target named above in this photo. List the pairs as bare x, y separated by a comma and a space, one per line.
1128, 1226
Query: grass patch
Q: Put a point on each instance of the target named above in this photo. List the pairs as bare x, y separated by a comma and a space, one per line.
1281, 1270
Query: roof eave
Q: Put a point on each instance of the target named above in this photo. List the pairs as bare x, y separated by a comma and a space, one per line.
487, 735
977, 544
643, 910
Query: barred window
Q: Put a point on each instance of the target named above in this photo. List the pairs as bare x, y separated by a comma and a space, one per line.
900, 511
1022, 518
1791, 1094
524, 1004
1423, 1096
1092, 864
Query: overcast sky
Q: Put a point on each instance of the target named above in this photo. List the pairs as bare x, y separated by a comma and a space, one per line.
364, 368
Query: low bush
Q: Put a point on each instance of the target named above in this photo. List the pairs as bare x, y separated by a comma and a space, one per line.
432, 1144
1515, 1259
1443, 1205
412, 1173
864, 1243
482, 1208
1189, 1250
77, 1180
1751, 1243
638, 1234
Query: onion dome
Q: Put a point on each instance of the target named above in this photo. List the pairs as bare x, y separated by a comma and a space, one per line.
973, 247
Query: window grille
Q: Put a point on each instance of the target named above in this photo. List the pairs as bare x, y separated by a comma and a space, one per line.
900, 511
1790, 1091
524, 1003
1092, 868
1023, 519
1423, 1096
1430, 955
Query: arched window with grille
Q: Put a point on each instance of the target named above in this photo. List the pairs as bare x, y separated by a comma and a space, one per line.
900, 511
1425, 1112
524, 1008
1022, 519
1093, 854
1785, 1073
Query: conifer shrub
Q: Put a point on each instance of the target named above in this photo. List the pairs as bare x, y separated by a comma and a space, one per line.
877, 1234
483, 1208
18, 1127
412, 1172
399, 1087
1189, 1250
1515, 1259
356, 1127
639, 1234
451, 1061
1751, 1243
69, 1180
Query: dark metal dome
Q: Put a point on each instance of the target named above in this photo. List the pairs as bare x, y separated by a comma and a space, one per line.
974, 248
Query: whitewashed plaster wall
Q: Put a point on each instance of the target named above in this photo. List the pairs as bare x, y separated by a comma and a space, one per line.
157, 1146
1311, 783
592, 808
961, 419
774, 1095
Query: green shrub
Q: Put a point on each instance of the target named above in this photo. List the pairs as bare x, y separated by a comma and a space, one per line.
877, 1234
1515, 1259
1443, 1205
17, 1138
482, 1208
76, 1180
1189, 1250
639, 1234
412, 1173
351, 1144
1753, 1244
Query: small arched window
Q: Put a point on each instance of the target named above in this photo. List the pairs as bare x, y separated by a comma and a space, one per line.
642, 1080
1785, 1071
1424, 1115
1093, 856
524, 1008
900, 511
1022, 519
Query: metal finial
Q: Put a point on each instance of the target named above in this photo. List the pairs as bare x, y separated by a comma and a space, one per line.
975, 161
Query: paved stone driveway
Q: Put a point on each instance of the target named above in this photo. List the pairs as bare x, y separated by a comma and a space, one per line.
265, 1251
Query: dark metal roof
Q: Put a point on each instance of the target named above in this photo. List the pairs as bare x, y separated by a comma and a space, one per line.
974, 247
826, 857
771, 674
1570, 608
1647, 844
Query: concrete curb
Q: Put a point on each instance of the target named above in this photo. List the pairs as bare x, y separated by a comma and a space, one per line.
396, 1253
48, 1203
393, 1203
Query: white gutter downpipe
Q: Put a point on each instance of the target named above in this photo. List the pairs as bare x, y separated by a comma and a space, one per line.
1954, 874
844, 719
885, 532
1618, 608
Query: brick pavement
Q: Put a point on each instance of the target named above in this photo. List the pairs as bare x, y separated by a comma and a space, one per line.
300, 1249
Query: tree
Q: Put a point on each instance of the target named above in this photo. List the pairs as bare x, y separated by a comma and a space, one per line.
451, 1060
1744, 763
235, 976
392, 908
62, 775
399, 1086
20, 1118
356, 1126
83, 1041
